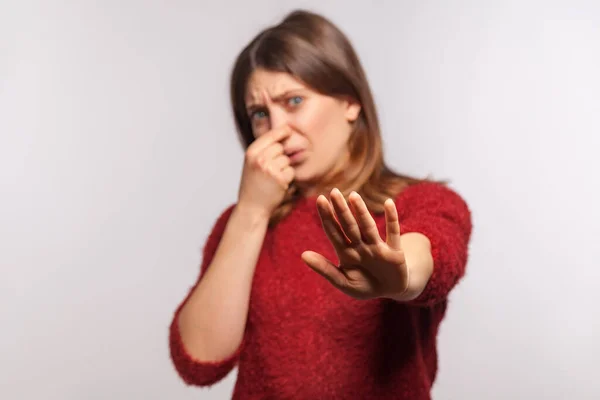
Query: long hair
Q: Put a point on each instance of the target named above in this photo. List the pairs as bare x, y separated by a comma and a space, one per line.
312, 49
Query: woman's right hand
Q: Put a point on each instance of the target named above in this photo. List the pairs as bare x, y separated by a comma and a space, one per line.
267, 173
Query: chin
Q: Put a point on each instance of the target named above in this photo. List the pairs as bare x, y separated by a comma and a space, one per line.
307, 179
303, 180
303, 176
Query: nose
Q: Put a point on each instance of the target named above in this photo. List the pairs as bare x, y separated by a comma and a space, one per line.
277, 117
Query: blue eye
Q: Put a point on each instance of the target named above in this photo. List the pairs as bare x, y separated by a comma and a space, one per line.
258, 115
294, 101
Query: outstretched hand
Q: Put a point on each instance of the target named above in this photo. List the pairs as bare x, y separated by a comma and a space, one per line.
370, 267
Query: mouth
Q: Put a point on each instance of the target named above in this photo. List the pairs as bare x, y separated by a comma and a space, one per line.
295, 156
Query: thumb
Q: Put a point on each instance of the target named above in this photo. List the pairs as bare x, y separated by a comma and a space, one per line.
325, 268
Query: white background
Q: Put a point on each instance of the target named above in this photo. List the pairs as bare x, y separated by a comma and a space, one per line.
118, 152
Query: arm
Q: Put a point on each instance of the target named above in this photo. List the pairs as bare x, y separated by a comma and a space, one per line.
436, 226
207, 330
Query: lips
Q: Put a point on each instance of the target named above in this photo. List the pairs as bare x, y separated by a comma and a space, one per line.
290, 153
295, 155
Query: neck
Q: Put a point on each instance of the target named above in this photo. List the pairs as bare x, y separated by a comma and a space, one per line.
324, 184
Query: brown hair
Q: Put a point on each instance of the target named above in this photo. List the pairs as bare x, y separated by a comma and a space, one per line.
313, 50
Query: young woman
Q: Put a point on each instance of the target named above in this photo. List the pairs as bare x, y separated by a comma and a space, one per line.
329, 277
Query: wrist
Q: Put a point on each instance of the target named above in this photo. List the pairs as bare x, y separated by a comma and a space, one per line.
251, 215
418, 275
402, 290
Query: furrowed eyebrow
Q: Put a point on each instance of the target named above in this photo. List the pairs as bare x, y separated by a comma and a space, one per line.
254, 106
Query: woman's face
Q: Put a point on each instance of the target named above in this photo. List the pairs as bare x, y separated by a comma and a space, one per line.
321, 124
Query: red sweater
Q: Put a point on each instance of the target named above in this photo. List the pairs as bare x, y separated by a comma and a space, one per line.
307, 340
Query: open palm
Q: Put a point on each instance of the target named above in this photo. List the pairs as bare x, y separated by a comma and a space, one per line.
370, 267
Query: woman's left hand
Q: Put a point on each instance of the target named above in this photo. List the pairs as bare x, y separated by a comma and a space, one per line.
370, 267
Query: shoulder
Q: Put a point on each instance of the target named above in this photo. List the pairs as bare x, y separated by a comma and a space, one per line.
433, 201
428, 194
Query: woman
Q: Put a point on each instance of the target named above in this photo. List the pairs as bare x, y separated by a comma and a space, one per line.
384, 250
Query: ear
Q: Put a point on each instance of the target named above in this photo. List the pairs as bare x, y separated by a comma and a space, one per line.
352, 110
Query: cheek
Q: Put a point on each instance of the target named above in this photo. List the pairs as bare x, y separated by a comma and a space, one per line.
319, 127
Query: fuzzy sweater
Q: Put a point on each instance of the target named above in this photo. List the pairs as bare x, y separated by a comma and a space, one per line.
305, 340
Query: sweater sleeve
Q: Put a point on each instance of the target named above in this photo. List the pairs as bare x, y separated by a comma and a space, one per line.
193, 371
445, 219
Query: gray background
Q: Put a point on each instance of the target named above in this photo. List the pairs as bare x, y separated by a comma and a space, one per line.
117, 153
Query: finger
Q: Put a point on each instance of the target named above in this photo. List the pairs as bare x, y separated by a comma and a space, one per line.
330, 224
392, 225
280, 162
345, 216
325, 268
270, 153
286, 176
273, 136
366, 223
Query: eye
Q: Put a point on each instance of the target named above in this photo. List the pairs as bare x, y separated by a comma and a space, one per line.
258, 115
294, 101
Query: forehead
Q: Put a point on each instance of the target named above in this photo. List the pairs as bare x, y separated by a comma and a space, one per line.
271, 83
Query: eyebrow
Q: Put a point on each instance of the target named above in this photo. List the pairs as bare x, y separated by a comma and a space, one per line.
279, 97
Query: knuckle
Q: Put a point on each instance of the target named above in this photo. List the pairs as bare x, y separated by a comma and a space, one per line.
250, 154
